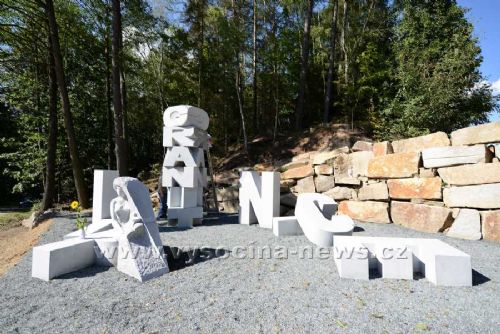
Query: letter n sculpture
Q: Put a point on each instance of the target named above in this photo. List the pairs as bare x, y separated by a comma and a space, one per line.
184, 173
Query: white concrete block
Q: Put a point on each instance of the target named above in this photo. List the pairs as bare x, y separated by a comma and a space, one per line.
352, 259
62, 257
103, 193
315, 214
185, 216
184, 115
286, 226
187, 177
454, 155
441, 263
394, 260
259, 198
179, 156
184, 136
106, 251
183, 197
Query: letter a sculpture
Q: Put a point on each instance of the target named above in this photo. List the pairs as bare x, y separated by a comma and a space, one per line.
184, 173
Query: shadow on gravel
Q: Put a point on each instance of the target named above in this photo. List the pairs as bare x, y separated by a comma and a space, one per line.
211, 219
86, 272
478, 278
358, 229
180, 259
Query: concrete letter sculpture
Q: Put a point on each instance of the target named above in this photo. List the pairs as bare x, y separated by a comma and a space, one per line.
184, 115
131, 241
259, 198
140, 251
400, 258
316, 216
184, 173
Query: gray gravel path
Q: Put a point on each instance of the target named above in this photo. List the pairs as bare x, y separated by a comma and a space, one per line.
226, 294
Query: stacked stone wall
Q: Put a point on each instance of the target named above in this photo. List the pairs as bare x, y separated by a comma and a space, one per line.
432, 183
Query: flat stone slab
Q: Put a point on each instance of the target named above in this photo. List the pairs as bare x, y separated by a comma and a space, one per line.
305, 185
442, 264
484, 196
366, 211
455, 155
425, 188
324, 182
480, 173
480, 134
322, 157
340, 193
418, 144
382, 148
323, 169
491, 225
352, 165
395, 165
466, 226
298, 172
362, 145
62, 257
421, 217
373, 191
294, 164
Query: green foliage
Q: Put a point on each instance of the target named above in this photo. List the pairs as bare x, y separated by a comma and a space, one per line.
437, 72
404, 68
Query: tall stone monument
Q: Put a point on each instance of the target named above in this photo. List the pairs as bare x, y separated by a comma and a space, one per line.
184, 173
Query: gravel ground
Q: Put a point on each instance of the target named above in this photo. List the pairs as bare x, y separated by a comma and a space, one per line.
228, 294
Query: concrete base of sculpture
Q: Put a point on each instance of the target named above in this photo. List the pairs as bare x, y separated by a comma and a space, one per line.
130, 240
62, 257
185, 217
400, 258
286, 226
316, 216
93, 230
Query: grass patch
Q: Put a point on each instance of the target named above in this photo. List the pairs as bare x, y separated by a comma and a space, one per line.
12, 218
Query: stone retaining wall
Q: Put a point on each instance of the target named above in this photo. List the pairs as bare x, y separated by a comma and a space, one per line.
433, 183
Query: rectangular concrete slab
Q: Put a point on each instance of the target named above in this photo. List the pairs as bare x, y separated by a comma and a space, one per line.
442, 264
62, 257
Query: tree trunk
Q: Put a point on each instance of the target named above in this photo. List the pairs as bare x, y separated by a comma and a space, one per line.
254, 67
345, 28
81, 188
240, 107
50, 176
304, 65
109, 101
331, 64
239, 78
121, 148
201, 17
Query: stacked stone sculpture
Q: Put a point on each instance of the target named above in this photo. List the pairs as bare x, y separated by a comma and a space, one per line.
184, 173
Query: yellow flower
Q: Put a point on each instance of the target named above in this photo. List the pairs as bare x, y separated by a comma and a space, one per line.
74, 205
